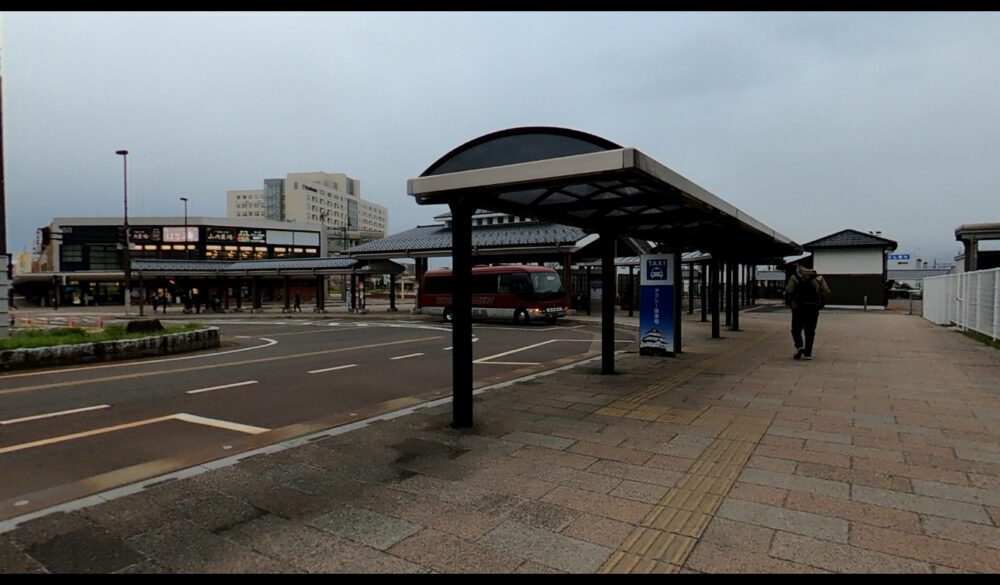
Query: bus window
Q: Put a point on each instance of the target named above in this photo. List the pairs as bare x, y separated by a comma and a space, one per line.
520, 285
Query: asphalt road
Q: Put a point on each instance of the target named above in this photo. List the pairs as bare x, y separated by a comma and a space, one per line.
70, 432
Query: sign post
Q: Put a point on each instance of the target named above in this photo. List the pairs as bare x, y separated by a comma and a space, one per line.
656, 305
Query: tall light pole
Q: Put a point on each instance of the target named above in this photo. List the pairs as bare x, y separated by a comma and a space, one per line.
187, 254
126, 256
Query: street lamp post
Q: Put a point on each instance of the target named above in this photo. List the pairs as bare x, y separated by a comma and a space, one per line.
125, 250
187, 254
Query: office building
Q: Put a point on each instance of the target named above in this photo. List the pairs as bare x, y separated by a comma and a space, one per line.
332, 200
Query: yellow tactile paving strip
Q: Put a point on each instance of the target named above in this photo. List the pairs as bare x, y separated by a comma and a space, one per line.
668, 534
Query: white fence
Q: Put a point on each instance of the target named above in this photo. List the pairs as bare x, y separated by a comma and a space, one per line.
970, 300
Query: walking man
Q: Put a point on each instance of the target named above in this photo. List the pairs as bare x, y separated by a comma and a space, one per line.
806, 293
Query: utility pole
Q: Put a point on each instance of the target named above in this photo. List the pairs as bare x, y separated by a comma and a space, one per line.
6, 276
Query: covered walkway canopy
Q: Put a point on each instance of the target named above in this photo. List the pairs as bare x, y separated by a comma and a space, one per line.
578, 179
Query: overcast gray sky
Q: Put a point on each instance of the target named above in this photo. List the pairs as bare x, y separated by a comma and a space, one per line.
810, 122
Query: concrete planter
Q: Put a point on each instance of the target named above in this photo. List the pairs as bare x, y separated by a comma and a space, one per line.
86, 353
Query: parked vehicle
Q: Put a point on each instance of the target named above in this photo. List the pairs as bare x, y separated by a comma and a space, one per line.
519, 293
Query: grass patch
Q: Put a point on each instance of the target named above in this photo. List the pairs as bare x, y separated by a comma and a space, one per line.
34, 337
984, 339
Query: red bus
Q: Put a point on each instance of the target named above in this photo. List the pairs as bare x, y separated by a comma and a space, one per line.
517, 293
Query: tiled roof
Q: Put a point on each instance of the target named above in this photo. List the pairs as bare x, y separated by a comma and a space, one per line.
437, 238
850, 239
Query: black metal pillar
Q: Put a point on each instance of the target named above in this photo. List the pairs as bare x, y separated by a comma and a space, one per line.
690, 287
713, 295
255, 305
284, 293
735, 269
586, 294
608, 278
354, 293
703, 284
392, 292
320, 293
461, 304
678, 302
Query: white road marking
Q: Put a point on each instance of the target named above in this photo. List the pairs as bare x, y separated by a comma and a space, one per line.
333, 368
233, 385
53, 414
182, 416
403, 357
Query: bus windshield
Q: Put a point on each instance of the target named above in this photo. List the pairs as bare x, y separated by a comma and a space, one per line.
547, 285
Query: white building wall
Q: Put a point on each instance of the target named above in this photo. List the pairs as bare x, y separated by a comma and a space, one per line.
848, 261
245, 203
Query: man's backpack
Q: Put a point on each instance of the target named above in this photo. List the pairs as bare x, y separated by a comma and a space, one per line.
806, 294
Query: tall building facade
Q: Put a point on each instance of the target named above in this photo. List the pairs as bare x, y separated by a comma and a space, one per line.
332, 200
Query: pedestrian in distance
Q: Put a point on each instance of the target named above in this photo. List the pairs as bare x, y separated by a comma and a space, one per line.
806, 293
298, 303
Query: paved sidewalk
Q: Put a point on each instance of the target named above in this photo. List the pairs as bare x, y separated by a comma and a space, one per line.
881, 455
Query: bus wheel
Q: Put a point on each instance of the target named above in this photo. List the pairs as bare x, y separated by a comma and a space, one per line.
447, 315
520, 317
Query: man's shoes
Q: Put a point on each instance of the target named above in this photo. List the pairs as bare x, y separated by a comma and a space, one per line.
798, 355
807, 357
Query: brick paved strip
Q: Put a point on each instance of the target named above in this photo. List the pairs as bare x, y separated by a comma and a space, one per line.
805, 523
841, 558
711, 558
853, 511
833, 489
803, 434
920, 504
538, 440
967, 532
961, 556
949, 491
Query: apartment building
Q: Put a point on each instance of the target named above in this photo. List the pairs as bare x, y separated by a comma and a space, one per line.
332, 200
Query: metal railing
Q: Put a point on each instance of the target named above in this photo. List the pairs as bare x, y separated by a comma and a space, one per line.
970, 300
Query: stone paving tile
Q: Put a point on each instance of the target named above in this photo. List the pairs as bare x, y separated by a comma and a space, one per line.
772, 464
430, 512
620, 454
539, 440
921, 504
182, 547
366, 527
546, 548
598, 530
800, 455
708, 557
805, 523
809, 434
788, 481
771, 496
978, 455
637, 473
446, 553
855, 476
853, 511
960, 556
841, 558
556, 457
729, 534
909, 471
639, 491
311, 550
854, 451
542, 514
670, 463
603, 505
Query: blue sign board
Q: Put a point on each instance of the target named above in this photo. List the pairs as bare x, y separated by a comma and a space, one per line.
656, 305
899, 256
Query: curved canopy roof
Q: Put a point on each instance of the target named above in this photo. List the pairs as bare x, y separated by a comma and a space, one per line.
578, 179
